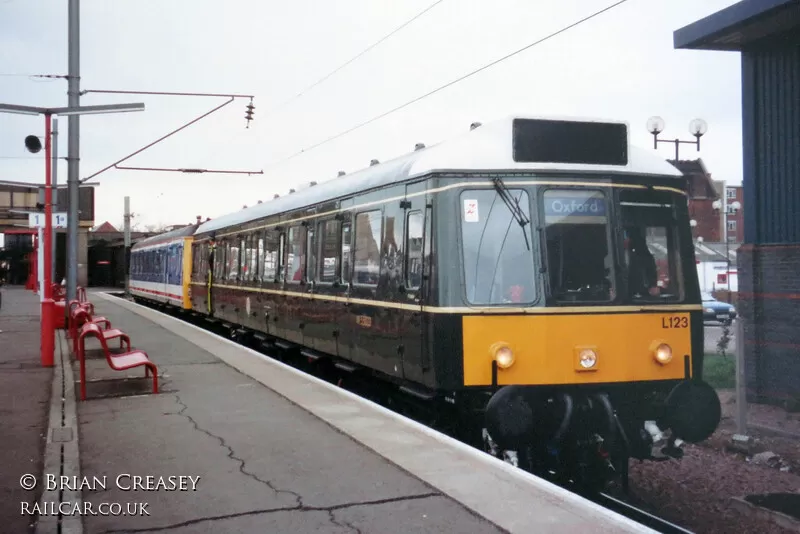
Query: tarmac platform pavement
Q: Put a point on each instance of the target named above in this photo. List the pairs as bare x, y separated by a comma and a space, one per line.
24, 404
256, 446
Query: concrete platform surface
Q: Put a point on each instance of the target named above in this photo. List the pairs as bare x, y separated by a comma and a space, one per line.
24, 402
298, 455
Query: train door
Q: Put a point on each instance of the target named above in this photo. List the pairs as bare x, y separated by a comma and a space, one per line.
413, 331
344, 333
213, 261
161, 274
173, 288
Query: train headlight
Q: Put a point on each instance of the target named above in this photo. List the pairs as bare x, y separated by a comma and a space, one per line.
503, 355
587, 358
663, 353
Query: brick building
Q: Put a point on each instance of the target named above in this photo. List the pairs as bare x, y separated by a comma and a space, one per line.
703, 192
735, 193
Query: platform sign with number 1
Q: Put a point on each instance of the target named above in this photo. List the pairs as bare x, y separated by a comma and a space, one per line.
36, 220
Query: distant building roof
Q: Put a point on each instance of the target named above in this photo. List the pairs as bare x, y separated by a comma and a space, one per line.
106, 227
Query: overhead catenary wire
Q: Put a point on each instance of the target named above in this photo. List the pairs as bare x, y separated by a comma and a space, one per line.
352, 59
21, 75
450, 84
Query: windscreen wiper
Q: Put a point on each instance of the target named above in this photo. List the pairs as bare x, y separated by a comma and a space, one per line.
513, 206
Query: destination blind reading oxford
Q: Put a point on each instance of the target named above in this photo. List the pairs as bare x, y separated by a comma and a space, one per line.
582, 206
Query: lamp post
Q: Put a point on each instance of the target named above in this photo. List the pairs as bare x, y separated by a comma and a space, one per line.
697, 241
33, 145
697, 127
705, 276
726, 209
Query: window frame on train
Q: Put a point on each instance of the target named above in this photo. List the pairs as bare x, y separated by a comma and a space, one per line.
503, 299
608, 223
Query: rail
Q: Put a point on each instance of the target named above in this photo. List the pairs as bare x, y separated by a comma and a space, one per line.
636, 514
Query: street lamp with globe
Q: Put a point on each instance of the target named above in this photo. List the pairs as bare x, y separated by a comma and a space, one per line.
697, 127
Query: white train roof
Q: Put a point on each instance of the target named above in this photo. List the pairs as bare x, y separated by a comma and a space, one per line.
486, 148
167, 237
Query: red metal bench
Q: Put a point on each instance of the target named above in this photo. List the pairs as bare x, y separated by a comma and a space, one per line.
86, 303
108, 332
80, 313
118, 362
59, 292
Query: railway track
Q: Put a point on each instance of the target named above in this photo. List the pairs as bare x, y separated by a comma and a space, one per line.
607, 501
638, 515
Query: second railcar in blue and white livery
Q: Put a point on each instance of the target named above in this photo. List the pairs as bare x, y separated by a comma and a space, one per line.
160, 267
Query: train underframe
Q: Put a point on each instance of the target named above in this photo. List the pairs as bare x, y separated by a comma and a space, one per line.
585, 436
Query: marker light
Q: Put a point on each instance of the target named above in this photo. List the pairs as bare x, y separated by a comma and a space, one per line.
587, 358
504, 357
663, 354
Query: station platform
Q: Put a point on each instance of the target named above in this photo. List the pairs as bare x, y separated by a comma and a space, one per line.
263, 447
24, 404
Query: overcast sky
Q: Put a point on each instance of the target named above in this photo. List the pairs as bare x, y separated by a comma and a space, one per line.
620, 65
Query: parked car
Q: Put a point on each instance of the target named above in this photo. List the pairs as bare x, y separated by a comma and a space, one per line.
716, 311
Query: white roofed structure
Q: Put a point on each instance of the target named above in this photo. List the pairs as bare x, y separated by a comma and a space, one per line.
488, 148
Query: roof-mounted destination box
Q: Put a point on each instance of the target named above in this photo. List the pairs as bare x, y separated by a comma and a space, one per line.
561, 141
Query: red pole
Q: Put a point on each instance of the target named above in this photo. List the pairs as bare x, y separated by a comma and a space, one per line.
48, 306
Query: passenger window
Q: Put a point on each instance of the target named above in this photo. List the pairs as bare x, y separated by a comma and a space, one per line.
262, 277
414, 250
311, 253
233, 262
245, 259
226, 253
346, 244
219, 261
252, 258
269, 271
367, 256
197, 263
295, 257
331, 231
207, 250
280, 261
